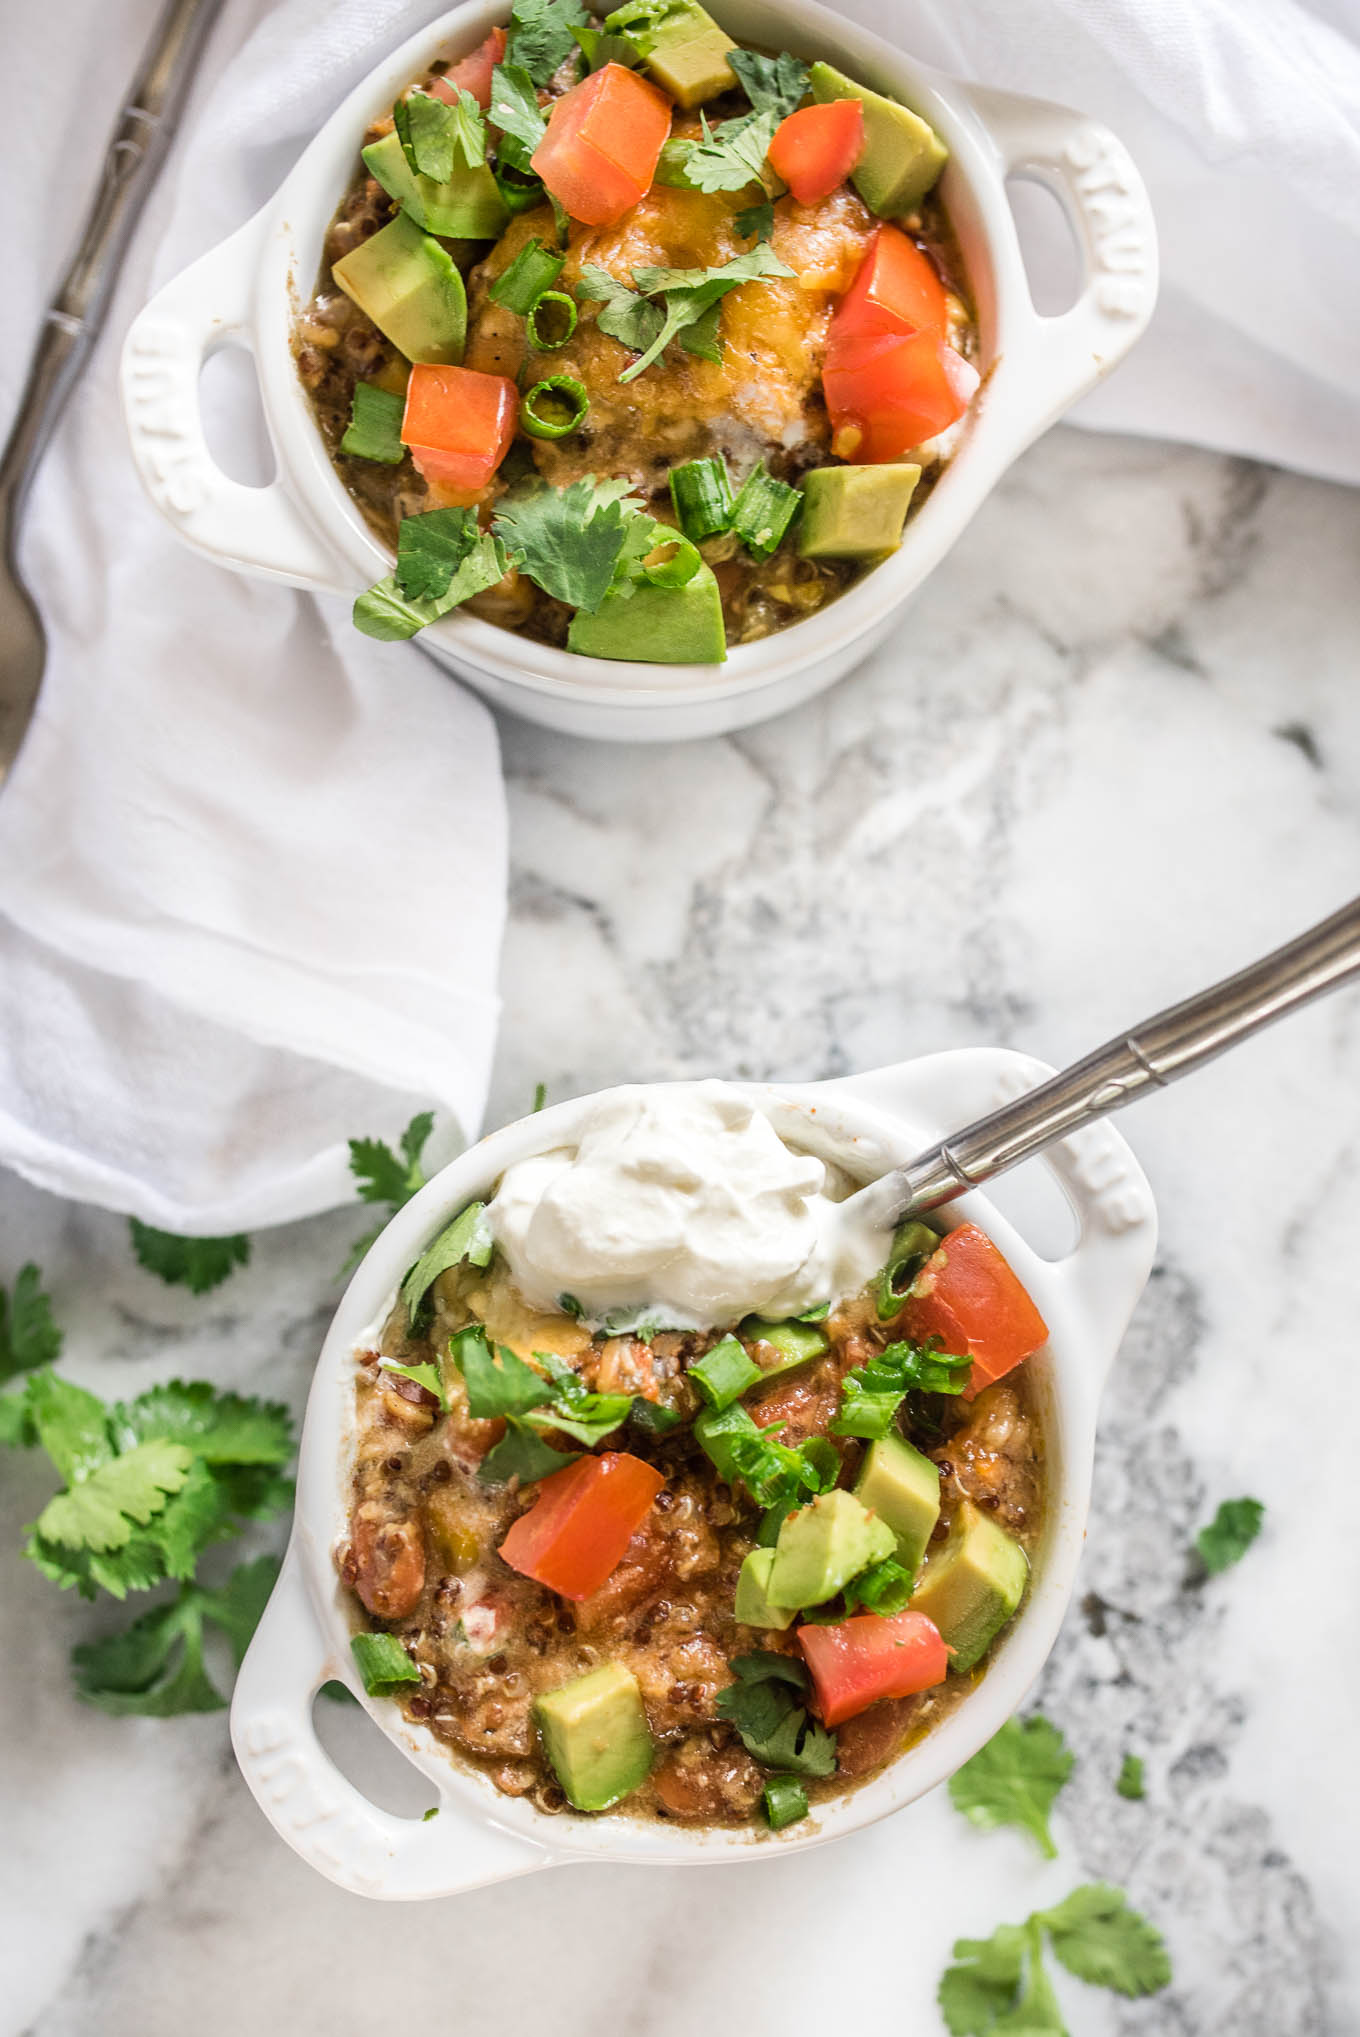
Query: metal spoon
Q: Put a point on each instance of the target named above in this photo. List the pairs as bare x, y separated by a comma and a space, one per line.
72, 325
1159, 1051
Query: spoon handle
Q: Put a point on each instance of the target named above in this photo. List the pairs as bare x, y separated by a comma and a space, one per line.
1159, 1051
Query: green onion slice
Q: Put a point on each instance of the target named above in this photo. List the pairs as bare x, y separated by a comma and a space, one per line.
554, 407
913, 1243
518, 191
383, 1663
562, 315
763, 511
785, 1801
702, 495
723, 1374
673, 562
534, 270
374, 429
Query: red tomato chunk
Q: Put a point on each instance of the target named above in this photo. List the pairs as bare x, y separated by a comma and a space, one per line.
473, 73
891, 379
862, 1660
603, 143
582, 1521
815, 149
968, 1297
459, 424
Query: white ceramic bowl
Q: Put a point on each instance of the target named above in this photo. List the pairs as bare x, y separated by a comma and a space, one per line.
305, 529
867, 1123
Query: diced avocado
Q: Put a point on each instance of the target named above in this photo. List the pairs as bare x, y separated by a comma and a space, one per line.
903, 156
795, 1342
753, 1607
656, 625
972, 1585
855, 512
467, 207
903, 1488
410, 289
822, 1546
682, 46
595, 1732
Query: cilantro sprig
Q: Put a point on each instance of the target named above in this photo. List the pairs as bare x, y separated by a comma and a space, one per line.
1229, 1534
154, 1667
569, 541
1001, 1983
775, 85
434, 133
1015, 1779
29, 1336
200, 1264
731, 156
688, 303
443, 559
540, 36
385, 1176
515, 111
531, 1402
766, 1706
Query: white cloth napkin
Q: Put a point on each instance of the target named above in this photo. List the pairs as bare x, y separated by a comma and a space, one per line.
252, 867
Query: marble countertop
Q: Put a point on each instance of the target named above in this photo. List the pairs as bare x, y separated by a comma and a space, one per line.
1113, 752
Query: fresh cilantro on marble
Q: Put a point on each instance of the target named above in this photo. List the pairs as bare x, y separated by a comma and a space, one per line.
1229, 1534
1002, 1983
1015, 1779
200, 1264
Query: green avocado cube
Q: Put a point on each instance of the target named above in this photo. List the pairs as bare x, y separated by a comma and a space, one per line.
902, 157
596, 1736
682, 47
903, 1488
753, 1608
468, 207
824, 1545
855, 512
972, 1586
656, 625
408, 286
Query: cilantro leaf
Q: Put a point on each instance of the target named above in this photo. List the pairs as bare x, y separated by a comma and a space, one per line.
523, 1455
515, 111
423, 1375
624, 314
755, 222
385, 1176
732, 155
98, 1511
1101, 1940
467, 1237
540, 36
566, 540
154, 1666
384, 613
771, 1723
434, 133
1014, 1779
688, 293
1130, 1783
984, 1982
72, 1425
775, 85
200, 1264
585, 1416
28, 1335
221, 1428
1229, 1534
498, 1383
599, 48
17, 1428
430, 549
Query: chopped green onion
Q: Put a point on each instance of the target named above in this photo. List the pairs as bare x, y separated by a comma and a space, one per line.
716, 1429
785, 1801
763, 511
564, 313
653, 1417
672, 166
702, 495
672, 562
568, 398
374, 431
519, 191
913, 1243
383, 1663
795, 1341
534, 270
723, 1374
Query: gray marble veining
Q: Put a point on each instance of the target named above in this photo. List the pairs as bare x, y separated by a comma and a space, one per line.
1113, 752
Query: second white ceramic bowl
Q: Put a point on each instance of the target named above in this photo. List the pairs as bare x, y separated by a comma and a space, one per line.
866, 1124
305, 529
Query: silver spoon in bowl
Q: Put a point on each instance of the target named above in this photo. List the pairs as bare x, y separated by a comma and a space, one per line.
1153, 1054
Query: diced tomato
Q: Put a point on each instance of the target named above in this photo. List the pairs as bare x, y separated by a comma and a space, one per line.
603, 142
967, 1295
458, 423
859, 1661
582, 1521
472, 73
815, 149
896, 290
886, 394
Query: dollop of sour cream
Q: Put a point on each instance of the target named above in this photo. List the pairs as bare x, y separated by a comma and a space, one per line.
681, 1203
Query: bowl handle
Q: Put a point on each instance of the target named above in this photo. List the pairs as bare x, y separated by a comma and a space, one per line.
206, 307
323, 1817
1095, 180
